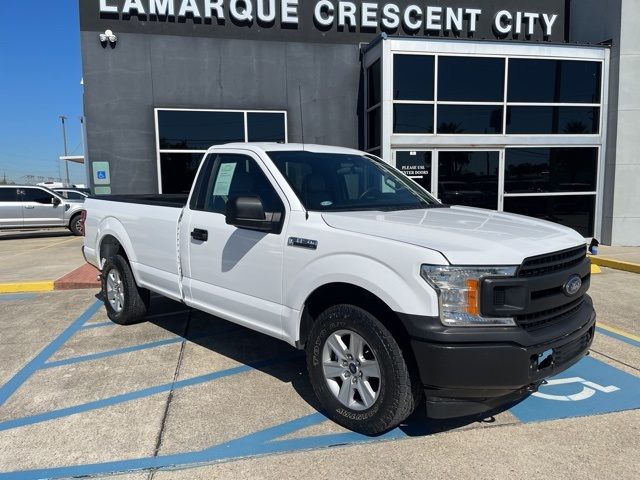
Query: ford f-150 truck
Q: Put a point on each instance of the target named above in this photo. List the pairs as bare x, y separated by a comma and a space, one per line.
393, 295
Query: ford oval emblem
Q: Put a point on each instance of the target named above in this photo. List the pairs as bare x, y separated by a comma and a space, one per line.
572, 286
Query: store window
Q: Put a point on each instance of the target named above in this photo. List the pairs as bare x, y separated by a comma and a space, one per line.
469, 178
469, 119
185, 135
548, 120
554, 81
470, 79
544, 170
412, 118
569, 89
575, 211
374, 106
413, 77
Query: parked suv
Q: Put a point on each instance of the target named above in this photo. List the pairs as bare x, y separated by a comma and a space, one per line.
34, 207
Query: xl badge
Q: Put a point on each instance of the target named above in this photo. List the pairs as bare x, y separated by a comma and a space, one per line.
572, 286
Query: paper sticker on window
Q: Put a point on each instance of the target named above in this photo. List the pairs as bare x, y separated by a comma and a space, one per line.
223, 181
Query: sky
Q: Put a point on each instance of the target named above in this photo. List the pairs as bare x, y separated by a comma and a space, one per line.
40, 79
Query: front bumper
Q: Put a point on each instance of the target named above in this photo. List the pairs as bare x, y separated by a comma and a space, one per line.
471, 371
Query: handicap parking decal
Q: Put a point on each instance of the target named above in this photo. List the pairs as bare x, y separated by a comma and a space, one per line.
588, 388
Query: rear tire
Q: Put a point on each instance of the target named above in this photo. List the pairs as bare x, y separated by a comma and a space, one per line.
125, 302
347, 348
75, 225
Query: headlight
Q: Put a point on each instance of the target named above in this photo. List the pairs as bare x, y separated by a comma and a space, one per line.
459, 294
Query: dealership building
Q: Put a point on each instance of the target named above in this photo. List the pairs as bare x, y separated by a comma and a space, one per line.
521, 106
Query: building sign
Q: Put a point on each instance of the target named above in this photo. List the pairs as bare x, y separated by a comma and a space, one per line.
333, 20
412, 164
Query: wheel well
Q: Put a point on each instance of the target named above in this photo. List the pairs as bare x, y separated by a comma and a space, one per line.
110, 246
74, 216
339, 293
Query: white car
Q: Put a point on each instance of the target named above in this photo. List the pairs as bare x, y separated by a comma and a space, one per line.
393, 295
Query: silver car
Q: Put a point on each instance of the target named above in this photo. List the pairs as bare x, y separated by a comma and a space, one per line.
34, 207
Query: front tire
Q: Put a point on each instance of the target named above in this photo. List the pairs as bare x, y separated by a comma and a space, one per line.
358, 371
125, 302
75, 225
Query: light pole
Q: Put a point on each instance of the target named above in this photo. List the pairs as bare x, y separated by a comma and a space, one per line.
64, 139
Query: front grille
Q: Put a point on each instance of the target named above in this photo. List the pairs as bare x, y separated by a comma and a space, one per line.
569, 351
552, 262
545, 318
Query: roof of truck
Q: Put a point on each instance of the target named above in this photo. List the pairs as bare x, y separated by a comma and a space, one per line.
289, 147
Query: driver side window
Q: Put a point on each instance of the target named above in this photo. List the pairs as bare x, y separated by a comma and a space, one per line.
236, 175
36, 195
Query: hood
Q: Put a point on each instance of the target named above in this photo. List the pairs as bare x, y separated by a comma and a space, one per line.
464, 235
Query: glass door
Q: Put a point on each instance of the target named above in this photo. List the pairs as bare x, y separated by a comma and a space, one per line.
417, 165
469, 177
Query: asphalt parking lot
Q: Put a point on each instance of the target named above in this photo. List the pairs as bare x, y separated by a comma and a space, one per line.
186, 395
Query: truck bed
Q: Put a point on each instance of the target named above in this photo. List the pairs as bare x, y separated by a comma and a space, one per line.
168, 200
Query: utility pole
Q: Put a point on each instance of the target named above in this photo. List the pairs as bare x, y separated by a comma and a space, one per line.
64, 139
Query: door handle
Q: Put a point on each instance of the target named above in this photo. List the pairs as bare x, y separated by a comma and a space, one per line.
30, 207
201, 235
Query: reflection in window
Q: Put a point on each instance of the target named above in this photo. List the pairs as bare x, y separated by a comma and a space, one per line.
550, 170
575, 211
412, 118
36, 195
469, 178
553, 120
469, 119
196, 130
178, 171
266, 127
554, 81
413, 77
471, 79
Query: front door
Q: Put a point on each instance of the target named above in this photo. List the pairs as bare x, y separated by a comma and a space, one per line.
233, 272
469, 177
39, 209
416, 164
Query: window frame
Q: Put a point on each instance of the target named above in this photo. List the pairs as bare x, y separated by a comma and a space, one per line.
505, 103
160, 151
210, 162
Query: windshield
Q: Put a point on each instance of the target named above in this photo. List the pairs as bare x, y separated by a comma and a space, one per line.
338, 182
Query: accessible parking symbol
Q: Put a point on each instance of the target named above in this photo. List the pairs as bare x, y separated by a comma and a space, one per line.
590, 387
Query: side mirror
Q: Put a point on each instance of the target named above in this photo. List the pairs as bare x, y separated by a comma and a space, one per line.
55, 201
248, 212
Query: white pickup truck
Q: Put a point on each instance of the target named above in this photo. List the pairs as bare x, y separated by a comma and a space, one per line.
393, 295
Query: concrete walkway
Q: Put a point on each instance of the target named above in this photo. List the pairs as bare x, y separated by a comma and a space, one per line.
624, 254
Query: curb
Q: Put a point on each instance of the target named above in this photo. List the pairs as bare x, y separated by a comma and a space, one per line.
616, 264
83, 277
27, 287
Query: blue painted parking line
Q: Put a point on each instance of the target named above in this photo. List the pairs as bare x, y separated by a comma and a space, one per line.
133, 348
111, 353
260, 443
590, 387
12, 297
617, 336
137, 394
38, 361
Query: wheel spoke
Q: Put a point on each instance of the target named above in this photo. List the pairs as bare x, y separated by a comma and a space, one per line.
346, 392
370, 368
332, 369
356, 346
337, 345
366, 393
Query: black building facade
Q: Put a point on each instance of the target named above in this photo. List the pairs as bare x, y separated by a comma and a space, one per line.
483, 102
